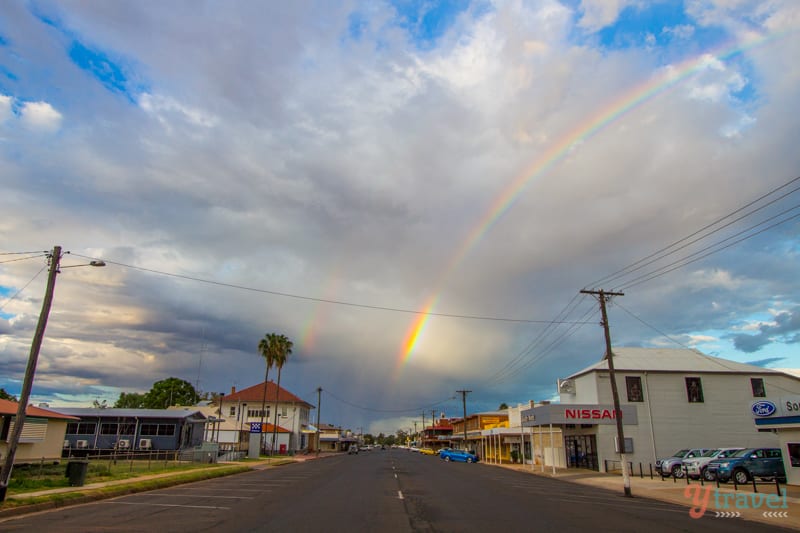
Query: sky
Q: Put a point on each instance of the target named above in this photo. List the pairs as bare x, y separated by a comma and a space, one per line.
414, 192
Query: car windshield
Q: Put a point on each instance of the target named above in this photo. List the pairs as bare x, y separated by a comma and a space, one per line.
711, 453
681, 453
727, 453
741, 453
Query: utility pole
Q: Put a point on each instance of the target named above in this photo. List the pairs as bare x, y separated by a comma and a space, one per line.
463, 394
423, 428
603, 297
319, 408
30, 370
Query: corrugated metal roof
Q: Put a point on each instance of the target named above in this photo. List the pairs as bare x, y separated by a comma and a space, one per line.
673, 360
130, 413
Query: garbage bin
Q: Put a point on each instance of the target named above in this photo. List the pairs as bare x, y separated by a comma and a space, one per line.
76, 472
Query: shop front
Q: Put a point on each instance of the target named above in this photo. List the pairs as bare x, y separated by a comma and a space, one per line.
782, 416
589, 430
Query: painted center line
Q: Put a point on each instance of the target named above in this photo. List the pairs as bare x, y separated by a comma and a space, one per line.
400, 494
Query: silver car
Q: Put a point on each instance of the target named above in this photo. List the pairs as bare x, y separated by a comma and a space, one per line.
696, 466
673, 466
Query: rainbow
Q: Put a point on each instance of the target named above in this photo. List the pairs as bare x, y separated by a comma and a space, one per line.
669, 77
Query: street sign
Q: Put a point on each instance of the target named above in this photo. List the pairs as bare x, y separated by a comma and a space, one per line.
255, 427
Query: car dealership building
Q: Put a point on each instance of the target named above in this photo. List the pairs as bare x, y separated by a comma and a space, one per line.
670, 399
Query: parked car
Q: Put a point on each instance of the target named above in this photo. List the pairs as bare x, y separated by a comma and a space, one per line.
461, 456
353, 449
744, 465
427, 451
697, 466
672, 466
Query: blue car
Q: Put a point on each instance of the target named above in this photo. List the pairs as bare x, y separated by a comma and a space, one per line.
459, 456
744, 465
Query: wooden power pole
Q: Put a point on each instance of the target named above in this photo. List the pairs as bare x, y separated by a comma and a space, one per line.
603, 297
463, 394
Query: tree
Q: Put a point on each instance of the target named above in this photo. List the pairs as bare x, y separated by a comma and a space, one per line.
130, 400
266, 349
97, 404
503, 406
6, 396
170, 391
283, 348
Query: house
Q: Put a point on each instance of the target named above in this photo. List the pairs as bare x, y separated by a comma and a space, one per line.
670, 399
42, 434
98, 430
240, 412
439, 434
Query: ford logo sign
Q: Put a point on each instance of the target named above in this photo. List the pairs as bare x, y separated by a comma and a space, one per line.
764, 408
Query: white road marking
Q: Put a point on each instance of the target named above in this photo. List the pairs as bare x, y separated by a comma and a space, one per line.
395, 476
157, 494
400, 494
167, 505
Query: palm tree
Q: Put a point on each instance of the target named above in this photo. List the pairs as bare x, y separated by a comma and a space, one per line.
266, 350
283, 348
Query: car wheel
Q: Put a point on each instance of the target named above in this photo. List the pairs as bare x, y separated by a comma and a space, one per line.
469, 459
447, 459
707, 474
740, 476
677, 471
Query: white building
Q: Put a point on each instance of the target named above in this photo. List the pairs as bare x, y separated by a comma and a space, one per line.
670, 399
239, 409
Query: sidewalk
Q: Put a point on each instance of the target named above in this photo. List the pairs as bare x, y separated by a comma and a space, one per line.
750, 506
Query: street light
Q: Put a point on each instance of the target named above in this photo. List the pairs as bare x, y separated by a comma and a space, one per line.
54, 258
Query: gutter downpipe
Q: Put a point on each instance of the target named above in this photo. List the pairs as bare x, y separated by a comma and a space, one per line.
650, 416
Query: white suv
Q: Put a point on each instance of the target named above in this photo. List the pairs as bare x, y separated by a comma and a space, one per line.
696, 467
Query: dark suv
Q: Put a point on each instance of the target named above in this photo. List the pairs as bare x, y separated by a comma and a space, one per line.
744, 465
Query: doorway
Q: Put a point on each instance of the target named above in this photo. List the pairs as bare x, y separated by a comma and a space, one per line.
582, 452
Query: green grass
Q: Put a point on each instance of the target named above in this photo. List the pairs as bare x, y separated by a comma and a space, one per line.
31, 478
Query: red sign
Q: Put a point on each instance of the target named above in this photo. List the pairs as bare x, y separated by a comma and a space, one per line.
590, 414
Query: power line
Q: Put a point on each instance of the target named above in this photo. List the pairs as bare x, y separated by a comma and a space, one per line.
314, 299
372, 409
652, 326
23, 258
683, 262
627, 269
23, 287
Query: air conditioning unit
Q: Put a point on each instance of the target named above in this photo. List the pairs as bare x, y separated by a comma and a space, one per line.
145, 444
66, 444
82, 444
124, 444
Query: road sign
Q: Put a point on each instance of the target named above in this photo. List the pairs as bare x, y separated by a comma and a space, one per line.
255, 427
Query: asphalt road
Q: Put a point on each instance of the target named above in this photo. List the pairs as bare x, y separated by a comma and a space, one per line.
382, 491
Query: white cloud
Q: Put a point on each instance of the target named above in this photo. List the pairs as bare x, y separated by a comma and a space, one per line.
597, 14
5, 108
682, 31
40, 116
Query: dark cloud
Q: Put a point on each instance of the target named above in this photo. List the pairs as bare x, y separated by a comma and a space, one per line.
785, 329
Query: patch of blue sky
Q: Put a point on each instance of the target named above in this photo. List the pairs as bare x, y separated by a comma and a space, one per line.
426, 21
356, 24
3, 41
96, 62
100, 65
8, 74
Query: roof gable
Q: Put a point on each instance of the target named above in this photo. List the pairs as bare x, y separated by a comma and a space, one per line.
256, 394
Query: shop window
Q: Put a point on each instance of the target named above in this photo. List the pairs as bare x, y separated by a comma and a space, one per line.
634, 386
794, 453
757, 384
694, 390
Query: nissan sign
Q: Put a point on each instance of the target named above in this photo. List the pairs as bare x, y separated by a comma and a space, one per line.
764, 408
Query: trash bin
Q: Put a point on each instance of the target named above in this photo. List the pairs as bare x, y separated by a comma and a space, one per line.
76, 472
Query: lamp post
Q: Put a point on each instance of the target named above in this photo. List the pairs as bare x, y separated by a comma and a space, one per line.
54, 258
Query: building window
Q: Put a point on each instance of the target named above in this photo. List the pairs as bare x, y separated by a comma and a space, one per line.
634, 385
794, 453
232, 412
757, 384
694, 390
81, 428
